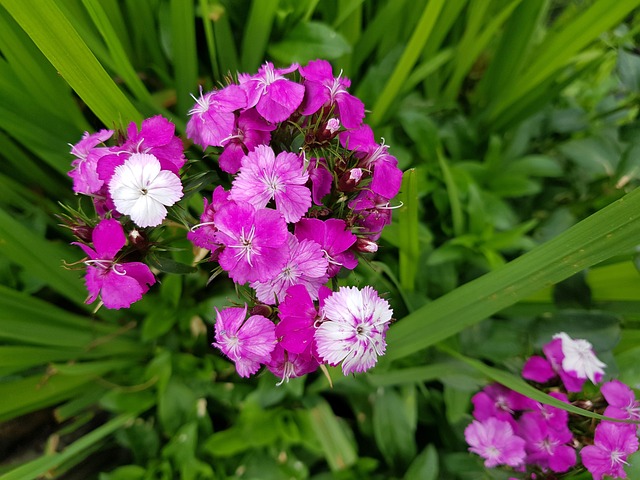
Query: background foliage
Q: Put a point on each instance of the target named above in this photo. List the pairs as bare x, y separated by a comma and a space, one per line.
516, 122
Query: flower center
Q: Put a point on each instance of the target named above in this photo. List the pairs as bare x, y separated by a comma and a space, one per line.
245, 247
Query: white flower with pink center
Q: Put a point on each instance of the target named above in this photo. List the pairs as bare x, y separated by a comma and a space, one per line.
354, 328
580, 359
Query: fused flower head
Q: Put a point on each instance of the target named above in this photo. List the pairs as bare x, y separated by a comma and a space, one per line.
264, 177
119, 284
248, 343
142, 190
613, 443
495, 441
353, 330
255, 242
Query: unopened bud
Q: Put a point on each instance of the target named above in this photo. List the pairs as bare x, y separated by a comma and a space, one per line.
261, 309
83, 232
366, 246
349, 181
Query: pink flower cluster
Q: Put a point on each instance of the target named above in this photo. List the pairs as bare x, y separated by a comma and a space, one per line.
295, 217
539, 441
132, 182
309, 191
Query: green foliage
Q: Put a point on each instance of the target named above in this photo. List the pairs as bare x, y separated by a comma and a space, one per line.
516, 123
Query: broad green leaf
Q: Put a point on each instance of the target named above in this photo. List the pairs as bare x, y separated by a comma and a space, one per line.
425, 465
392, 428
308, 41
612, 231
57, 38
408, 240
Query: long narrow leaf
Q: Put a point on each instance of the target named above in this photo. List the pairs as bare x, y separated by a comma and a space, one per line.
612, 231
409, 246
256, 33
56, 37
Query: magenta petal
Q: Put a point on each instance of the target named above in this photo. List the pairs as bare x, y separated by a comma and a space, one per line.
618, 394
140, 273
108, 238
321, 180
351, 110
280, 100
387, 179
538, 370
120, 291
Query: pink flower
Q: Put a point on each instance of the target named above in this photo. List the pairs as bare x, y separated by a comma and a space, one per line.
247, 343
274, 96
213, 118
622, 401
498, 401
264, 177
322, 89
285, 365
84, 173
546, 446
495, 441
255, 242
298, 316
157, 137
334, 239
118, 284
321, 179
140, 189
353, 330
250, 131
306, 266
608, 455
372, 213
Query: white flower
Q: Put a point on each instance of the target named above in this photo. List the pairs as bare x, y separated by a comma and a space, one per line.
354, 329
142, 190
579, 358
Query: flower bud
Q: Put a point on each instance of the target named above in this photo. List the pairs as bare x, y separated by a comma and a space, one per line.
366, 246
349, 181
261, 309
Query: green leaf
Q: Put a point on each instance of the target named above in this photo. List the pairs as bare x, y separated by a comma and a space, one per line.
425, 465
612, 231
408, 241
57, 38
392, 427
308, 41
256, 33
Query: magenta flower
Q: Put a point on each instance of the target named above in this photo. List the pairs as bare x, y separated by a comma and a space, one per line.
322, 89
495, 441
498, 401
118, 284
298, 316
306, 266
353, 330
212, 117
608, 455
85, 174
140, 189
274, 96
622, 401
255, 242
286, 365
250, 131
334, 239
538, 369
545, 446
203, 235
247, 343
264, 177
579, 359
387, 177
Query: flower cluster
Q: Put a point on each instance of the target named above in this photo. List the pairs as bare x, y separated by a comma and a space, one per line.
295, 217
540, 441
309, 193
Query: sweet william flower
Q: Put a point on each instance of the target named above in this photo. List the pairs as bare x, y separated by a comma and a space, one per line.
353, 330
140, 189
84, 173
255, 242
286, 365
274, 96
612, 444
118, 284
496, 442
579, 358
264, 177
622, 401
546, 446
250, 131
334, 238
248, 343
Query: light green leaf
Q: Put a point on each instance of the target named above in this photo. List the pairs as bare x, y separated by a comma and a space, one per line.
308, 41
